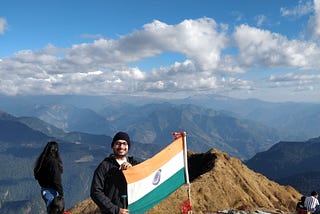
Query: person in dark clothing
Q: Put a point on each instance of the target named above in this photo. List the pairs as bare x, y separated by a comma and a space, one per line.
300, 208
108, 183
48, 169
57, 205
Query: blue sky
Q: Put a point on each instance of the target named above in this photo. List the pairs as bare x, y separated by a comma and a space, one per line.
266, 49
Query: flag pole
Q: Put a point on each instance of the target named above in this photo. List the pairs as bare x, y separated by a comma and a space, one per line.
185, 155
184, 134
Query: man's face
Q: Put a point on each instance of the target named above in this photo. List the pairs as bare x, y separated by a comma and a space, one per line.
120, 148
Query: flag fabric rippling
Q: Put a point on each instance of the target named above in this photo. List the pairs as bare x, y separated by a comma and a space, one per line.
156, 178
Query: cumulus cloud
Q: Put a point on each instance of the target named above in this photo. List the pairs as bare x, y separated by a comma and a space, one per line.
259, 47
180, 77
303, 8
233, 83
74, 70
316, 18
104, 66
313, 26
291, 77
3, 25
199, 40
300, 82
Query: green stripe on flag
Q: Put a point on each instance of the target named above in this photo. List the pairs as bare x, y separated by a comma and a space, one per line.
158, 194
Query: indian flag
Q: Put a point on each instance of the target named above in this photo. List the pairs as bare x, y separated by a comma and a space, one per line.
156, 178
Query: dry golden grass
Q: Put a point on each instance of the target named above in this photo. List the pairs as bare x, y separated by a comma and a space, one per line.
221, 183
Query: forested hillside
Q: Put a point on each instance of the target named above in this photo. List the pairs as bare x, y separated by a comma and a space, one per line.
291, 163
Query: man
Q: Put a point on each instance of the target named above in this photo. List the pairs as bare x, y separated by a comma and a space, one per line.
108, 183
311, 202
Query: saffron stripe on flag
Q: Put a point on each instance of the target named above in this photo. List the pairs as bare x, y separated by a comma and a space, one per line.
154, 179
135, 173
139, 188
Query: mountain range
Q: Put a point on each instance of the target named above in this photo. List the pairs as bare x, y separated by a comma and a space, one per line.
20, 145
84, 127
152, 123
300, 120
291, 163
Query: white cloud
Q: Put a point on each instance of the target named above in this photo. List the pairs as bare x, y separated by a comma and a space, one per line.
263, 48
103, 66
303, 8
75, 72
236, 84
179, 77
297, 83
92, 36
199, 40
317, 18
3, 25
295, 78
260, 20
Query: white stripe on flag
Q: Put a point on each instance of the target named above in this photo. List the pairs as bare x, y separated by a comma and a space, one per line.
142, 187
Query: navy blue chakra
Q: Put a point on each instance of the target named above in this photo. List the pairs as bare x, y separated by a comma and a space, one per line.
157, 177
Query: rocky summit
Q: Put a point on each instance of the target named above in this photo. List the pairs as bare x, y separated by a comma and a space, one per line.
220, 184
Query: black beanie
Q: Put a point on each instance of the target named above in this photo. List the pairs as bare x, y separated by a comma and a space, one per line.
121, 136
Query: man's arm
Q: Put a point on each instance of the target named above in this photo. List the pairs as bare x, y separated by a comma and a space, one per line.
97, 191
132, 161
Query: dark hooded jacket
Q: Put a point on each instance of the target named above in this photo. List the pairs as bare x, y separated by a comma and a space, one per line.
49, 176
108, 185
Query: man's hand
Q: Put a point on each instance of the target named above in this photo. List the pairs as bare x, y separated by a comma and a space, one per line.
123, 211
125, 166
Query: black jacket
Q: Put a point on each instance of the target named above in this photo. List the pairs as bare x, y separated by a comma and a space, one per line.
108, 184
49, 176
